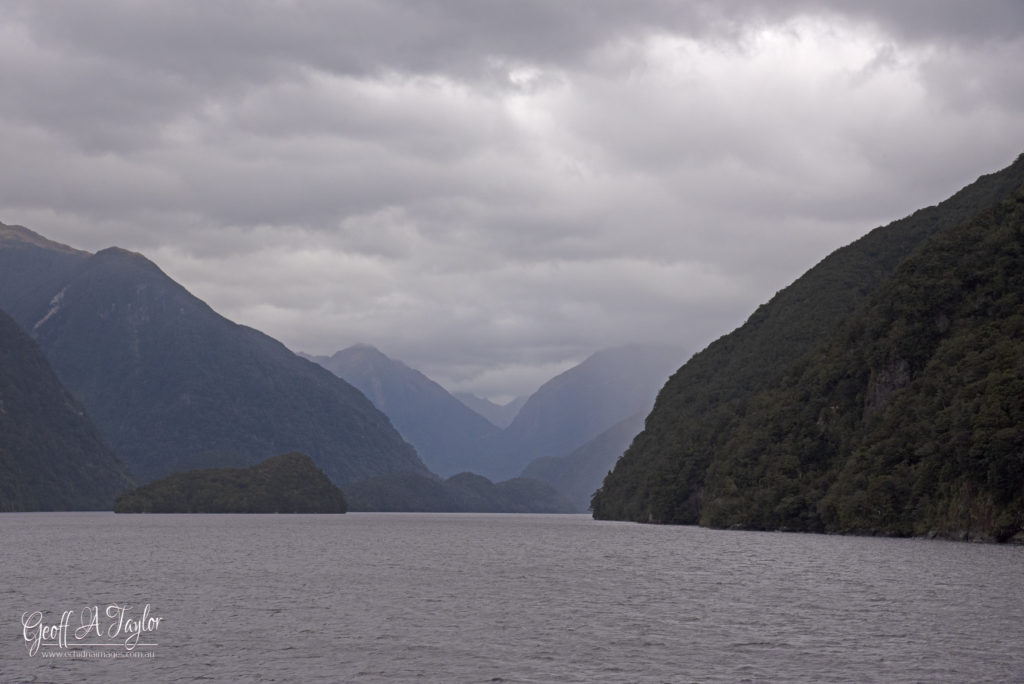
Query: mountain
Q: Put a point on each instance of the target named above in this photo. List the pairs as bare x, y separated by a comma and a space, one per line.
290, 483
574, 407
500, 415
448, 436
51, 455
29, 265
879, 393
172, 385
563, 414
462, 493
579, 474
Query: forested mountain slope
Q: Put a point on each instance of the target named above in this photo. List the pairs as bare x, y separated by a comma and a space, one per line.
879, 393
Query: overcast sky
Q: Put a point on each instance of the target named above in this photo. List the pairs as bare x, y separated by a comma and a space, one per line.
491, 191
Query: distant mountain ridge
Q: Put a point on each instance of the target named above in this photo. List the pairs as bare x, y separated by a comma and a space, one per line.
565, 413
500, 415
576, 406
51, 455
448, 436
174, 386
879, 393
579, 474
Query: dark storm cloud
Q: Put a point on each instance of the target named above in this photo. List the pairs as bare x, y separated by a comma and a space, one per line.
490, 191
929, 22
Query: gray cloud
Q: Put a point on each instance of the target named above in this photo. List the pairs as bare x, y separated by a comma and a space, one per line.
490, 191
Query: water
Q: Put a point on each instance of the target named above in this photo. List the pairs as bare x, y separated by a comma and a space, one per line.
507, 598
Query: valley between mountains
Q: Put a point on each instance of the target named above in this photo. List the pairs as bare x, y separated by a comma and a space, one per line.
882, 392
167, 385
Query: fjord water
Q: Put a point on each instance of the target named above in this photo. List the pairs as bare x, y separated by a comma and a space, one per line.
510, 598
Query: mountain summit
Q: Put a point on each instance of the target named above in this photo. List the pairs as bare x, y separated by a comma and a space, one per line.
578, 405
449, 437
174, 386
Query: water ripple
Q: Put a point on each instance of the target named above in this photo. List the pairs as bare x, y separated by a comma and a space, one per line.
492, 598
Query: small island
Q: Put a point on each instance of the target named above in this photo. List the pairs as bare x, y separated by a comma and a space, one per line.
290, 483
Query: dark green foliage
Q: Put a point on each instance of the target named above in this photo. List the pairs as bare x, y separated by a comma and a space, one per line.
881, 392
283, 484
462, 493
51, 456
173, 386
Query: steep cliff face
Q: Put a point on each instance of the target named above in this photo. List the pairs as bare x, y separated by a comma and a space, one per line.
897, 416
51, 455
883, 382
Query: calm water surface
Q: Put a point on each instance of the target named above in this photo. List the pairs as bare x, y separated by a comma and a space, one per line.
505, 598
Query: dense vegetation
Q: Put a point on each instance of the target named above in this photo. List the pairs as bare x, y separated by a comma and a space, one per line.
51, 456
173, 386
462, 493
283, 484
881, 392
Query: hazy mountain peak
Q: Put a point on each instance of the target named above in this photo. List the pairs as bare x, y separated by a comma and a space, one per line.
449, 436
579, 404
362, 353
500, 415
360, 346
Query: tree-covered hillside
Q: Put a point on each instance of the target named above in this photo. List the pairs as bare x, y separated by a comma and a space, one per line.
879, 393
290, 483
